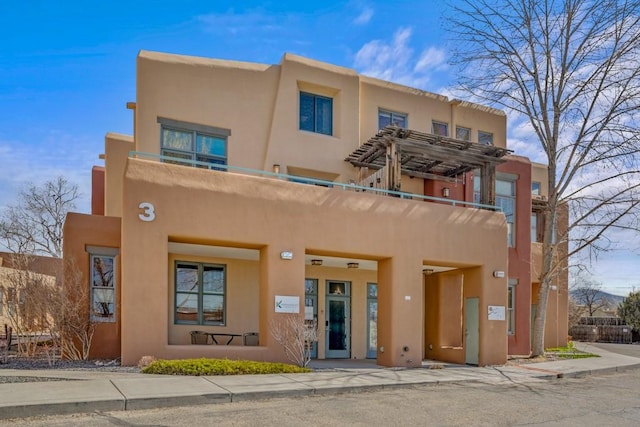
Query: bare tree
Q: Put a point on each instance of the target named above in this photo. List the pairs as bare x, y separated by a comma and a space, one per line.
567, 71
72, 326
34, 224
48, 313
28, 309
296, 336
588, 293
575, 313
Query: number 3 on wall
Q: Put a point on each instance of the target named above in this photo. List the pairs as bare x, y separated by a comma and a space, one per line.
148, 213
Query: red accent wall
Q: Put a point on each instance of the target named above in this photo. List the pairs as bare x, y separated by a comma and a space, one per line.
97, 190
520, 255
461, 190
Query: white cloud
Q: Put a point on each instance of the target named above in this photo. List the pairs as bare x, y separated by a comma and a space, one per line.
394, 60
364, 17
431, 58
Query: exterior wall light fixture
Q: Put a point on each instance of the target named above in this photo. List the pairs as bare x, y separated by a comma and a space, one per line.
276, 168
353, 265
316, 262
428, 271
446, 192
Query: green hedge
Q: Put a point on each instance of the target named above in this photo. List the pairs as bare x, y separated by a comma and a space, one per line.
198, 367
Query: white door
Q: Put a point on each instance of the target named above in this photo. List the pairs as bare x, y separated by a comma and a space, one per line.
471, 330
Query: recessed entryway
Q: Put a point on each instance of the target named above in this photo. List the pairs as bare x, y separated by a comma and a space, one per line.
338, 319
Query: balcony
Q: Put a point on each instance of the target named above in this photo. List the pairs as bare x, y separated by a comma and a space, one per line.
298, 180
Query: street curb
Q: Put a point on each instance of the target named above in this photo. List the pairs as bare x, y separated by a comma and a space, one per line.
303, 390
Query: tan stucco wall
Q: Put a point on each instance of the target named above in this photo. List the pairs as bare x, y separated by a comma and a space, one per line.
117, 148
259, 104
273, 215
540, 173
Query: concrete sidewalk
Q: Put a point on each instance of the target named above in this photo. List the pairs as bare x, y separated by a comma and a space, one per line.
87, 391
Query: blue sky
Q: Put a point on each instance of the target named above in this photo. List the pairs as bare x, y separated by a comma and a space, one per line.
67, 69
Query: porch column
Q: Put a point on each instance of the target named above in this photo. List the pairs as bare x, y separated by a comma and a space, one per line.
282, 277
400, 311
488, 184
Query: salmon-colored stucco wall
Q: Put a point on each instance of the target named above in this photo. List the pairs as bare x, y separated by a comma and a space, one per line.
274, 216
81, 231
519, 168
97, 190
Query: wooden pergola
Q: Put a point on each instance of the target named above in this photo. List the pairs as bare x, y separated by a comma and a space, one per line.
423, 155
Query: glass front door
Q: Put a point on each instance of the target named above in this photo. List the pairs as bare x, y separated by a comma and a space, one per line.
338, 320
372, 320
311, 309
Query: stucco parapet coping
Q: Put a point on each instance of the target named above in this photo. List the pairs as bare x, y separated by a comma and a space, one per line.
304, 180
119, 137
401, 88
171, 58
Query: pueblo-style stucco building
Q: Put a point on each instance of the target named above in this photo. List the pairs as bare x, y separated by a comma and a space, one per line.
394, 218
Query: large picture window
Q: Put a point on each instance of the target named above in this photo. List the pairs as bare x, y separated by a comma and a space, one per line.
103, 289
200, 293
316, 113
187, 142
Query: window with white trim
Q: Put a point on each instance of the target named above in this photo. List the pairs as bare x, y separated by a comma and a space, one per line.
103, 288
316, 113
391, 118
193, 144
200, 290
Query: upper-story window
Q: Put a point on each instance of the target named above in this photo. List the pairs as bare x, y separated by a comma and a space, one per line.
316, 113
390, 118
187, 142
505, 199
485, 138
439, 128
535, 188
463, 133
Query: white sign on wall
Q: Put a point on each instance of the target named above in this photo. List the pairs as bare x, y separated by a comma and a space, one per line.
287, 304
308, 313
496, 312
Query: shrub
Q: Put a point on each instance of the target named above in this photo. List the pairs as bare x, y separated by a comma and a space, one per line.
146, 361
203, 366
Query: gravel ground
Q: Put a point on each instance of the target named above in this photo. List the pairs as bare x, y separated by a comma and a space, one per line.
21, 363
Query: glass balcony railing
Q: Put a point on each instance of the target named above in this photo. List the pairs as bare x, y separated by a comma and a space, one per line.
304, 180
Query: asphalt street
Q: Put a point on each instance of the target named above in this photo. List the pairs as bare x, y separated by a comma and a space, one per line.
596, 400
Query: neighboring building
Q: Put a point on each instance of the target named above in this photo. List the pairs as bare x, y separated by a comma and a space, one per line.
316, 190
20, 274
